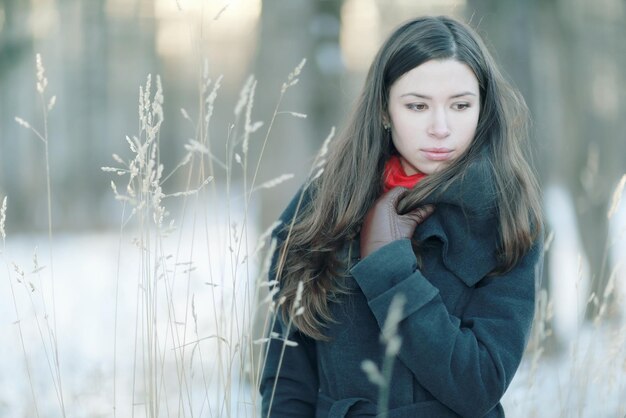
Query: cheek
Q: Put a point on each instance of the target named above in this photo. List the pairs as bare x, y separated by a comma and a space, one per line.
397, 142
403, 131
403, 137
469, 131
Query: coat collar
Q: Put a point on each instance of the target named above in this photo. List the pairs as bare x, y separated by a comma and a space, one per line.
466, 221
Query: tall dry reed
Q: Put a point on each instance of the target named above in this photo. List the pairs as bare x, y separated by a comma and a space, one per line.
47, 331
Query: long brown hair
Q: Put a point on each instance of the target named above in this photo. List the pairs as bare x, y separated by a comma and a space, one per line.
351, 180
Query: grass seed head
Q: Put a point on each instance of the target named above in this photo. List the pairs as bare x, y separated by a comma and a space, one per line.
617, 197
3, 218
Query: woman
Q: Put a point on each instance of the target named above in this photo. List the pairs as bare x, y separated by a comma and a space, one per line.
426, 193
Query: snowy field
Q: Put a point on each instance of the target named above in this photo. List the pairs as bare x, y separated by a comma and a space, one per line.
584, 380
193, 322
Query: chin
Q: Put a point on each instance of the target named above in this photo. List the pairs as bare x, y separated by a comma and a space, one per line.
432, 169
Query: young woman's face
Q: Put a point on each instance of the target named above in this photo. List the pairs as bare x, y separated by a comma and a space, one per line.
433, 111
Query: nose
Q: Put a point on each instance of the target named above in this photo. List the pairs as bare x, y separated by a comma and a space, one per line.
439, 125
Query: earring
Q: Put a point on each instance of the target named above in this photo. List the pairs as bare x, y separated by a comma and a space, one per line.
386, 126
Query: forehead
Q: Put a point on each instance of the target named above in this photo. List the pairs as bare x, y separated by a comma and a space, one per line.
436, 78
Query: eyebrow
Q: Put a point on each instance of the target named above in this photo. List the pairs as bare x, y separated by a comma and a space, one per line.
423, 96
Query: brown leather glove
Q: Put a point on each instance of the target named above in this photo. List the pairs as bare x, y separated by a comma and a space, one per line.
383, 225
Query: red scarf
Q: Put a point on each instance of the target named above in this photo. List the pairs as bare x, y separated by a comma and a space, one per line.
395, 176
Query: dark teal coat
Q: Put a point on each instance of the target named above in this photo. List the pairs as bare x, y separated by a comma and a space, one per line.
463, 332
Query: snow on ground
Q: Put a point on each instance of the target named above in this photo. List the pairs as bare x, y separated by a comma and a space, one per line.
200, 266
585, 380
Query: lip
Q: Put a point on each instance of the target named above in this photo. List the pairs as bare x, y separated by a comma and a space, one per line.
437, 154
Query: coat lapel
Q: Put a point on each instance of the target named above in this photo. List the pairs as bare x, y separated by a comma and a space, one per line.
465, 220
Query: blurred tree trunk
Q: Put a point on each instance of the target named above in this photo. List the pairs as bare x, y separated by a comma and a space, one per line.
18, 171
291, 31
284, 42
94, 127
103, 61
14, 30
327, 69
81, 60
492, 19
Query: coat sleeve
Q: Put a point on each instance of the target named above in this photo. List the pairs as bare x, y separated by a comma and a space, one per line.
289, 380
466, 363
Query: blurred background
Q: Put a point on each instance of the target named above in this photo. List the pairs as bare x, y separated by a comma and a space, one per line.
568, 58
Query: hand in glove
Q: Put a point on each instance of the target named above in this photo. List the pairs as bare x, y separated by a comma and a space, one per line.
383, 225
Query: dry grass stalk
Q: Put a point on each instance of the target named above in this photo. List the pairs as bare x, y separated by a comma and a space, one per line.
617, 197
392, 341
46, 107
18, 322
3, 218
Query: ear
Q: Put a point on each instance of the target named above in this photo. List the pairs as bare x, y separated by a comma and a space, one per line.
386, 119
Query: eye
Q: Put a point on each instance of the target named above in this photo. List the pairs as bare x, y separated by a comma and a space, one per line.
461, 106
419, 107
